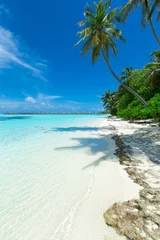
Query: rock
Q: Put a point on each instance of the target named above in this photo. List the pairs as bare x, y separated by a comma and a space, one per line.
138, 219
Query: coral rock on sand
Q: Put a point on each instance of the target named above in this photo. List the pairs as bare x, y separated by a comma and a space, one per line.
138, 219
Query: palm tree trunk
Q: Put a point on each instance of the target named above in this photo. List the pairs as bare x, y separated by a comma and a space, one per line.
156, 3
125, 86
153, 31
150, 20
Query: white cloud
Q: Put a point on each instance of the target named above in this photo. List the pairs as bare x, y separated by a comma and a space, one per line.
30, 100
42, 97
53, 97
72, 102
42, 102
10, 53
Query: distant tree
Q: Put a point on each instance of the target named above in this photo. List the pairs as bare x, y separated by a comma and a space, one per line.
126, 72
145, 5
109, 102
154, 68
98, 36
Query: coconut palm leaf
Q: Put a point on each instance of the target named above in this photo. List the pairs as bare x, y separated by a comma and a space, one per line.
154, 7
154, 65
126, 72
99, 34
128, 8
146, 13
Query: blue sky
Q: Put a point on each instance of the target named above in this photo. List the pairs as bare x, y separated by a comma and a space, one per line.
40, 70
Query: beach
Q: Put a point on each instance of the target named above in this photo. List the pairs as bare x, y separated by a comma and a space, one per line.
79, 120
138, 149
59, 175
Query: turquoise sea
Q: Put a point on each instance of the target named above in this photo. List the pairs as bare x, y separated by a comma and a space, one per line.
45, 174
58, 175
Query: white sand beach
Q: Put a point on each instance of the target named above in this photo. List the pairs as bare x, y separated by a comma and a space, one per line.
60, 190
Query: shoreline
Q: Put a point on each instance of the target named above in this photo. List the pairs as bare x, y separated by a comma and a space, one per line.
138, 218
69, 173
63, 183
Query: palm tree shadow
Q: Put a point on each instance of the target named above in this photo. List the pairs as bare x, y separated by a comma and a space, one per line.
95, 145
75, 129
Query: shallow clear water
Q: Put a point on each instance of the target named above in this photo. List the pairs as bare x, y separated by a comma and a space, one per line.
42, 181
58, 175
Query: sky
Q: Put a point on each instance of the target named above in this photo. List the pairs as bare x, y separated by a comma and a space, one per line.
40, 70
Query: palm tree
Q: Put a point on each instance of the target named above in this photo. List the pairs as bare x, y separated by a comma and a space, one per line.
106, 95
110, 102
156, 4
126, 72
130, 5
98, 36
154, 68
155, 64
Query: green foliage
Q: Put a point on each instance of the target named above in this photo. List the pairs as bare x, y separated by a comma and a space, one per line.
137, 80
146, 82
153, 69
146, 10
154, 106
109, 102
98, 37
136, 110
99, 30
134, 4
126, 72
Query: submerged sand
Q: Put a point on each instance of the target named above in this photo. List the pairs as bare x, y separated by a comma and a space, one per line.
61, 189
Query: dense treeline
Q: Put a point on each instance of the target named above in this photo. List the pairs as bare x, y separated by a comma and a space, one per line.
146, 82
138, 95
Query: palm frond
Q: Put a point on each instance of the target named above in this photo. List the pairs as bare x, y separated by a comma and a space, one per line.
115, 33
111, 15
82, 23
155, 5
81, 40
127, 8
112, 46
156, 55
85, 32
152, 65
145, 12
107, 4
87, 46
105, 52
99, 31
95, 54
88, 8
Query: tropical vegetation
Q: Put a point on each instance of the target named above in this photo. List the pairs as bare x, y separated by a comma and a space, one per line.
145, 82
138, 96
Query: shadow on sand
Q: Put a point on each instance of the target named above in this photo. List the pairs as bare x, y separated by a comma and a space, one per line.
83, 129
102, 143
98, 144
